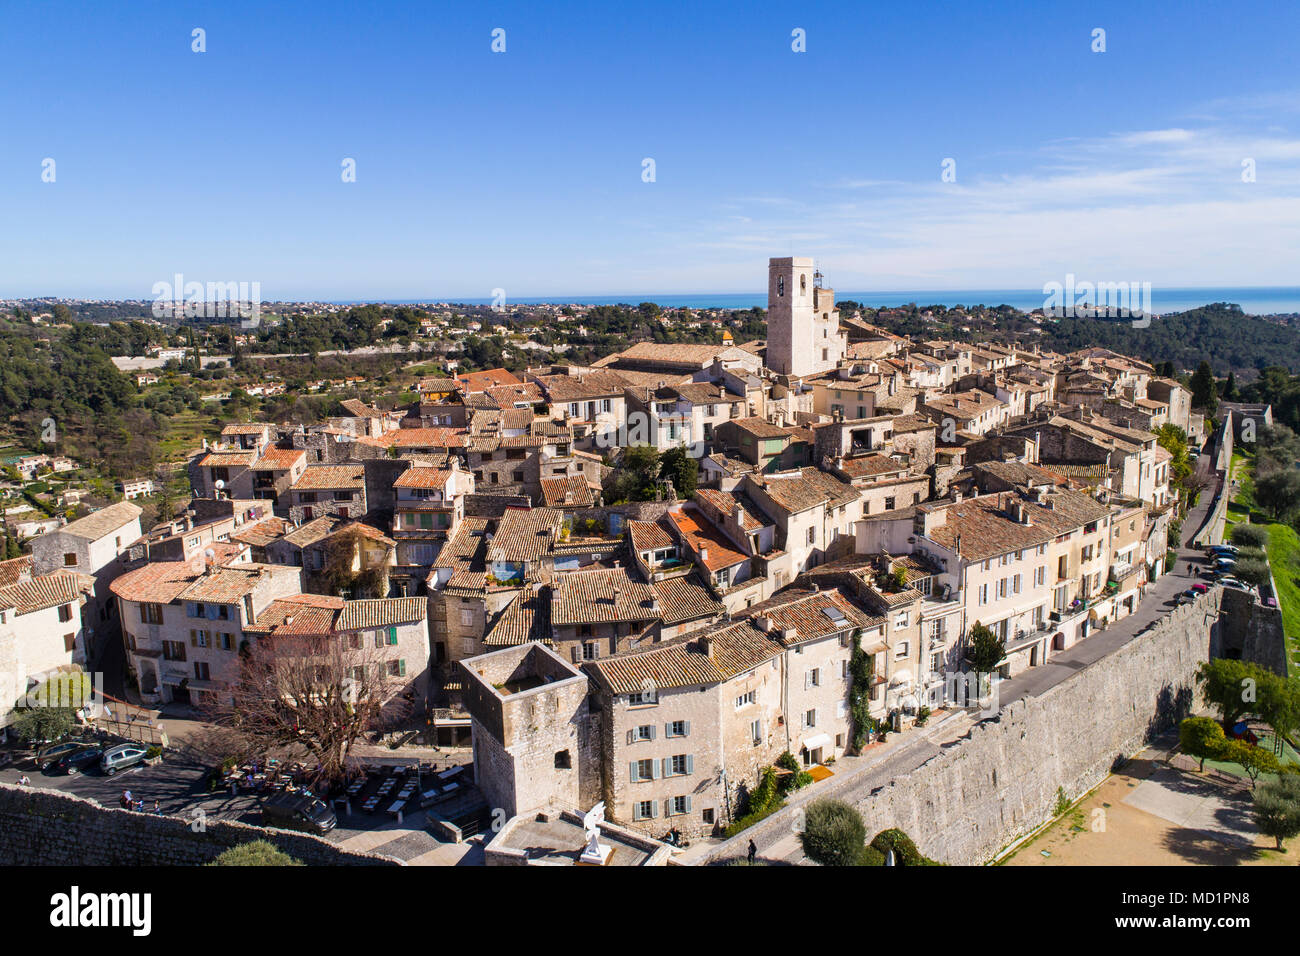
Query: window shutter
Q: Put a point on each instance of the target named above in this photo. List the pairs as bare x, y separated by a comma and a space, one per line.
690, 763
194, 638
401, 668
688, 803
576, 652
636, 810
668, 766
632, 772
631, 736
806, 676
654, 808
686, 728
654, 770
379, 639
392, 635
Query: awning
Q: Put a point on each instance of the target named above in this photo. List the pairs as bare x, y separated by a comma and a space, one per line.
174, 680
817, 740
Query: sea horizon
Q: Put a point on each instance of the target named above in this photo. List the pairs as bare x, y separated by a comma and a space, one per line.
1253, 300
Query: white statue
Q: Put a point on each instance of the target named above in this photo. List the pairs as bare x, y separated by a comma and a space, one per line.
595, 851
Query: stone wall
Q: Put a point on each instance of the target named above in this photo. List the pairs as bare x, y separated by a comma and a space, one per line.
1251, 632
51, 828
999, 782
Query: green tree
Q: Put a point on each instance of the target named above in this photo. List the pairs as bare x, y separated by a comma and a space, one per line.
1276, 809
1204, 394
35, 724
1278, 491
1252, 759
684, 471
833, 834
255, 853
984, 650
1201, 737
1231, 687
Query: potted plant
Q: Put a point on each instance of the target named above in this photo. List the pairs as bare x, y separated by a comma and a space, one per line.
153, 756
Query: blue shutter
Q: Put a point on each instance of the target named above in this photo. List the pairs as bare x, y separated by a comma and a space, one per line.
668, 766
632, 773
688, 804
690, 763
686, 728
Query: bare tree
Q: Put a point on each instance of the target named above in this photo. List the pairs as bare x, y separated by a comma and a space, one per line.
320, 693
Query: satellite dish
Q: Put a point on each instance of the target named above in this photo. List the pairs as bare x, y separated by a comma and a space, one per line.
219, 484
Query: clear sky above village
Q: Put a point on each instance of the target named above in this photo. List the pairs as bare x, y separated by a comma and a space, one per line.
523, 170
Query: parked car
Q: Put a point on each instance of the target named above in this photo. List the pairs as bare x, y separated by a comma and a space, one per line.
121, 757
79, 760
1225, 563
295, 811
52, 753
1224, 549
1228, 581
1199, 588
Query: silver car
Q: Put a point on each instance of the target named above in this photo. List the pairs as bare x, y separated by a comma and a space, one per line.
120, 757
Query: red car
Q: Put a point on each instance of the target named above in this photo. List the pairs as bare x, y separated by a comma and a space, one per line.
1200, 588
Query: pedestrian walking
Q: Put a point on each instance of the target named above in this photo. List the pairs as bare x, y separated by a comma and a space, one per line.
753, 852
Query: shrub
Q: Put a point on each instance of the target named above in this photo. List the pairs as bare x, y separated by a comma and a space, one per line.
1252, 571
905, 851
1201, 737
922, 715
833, 834
1249, 535
255, 853
1276, 809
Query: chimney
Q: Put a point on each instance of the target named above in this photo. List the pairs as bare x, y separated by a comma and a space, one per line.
738, 513
763, 623
706, 647
704, 554
618, 592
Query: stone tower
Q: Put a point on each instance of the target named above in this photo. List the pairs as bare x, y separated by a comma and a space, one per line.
803, 327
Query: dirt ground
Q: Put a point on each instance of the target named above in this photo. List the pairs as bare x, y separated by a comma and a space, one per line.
1105, 830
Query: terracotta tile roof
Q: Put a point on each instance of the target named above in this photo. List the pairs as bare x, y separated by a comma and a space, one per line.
582, 387
418, 477
510, 396
987, 528
359, 409
806, 489
968, 404
292, 617
229, 584
227, 459
478, 381
525, 534
571, 491
724, 503
648, 536
684, 599
105, 521
806, 614
419, 438
362, 530
715, 656
261, 534
279, 459
244, 428
312, 531
598, 597
870, 466
526, 618
381, 612
760, 427
15, 569
331, 476
698, 533
43, 591
705, 393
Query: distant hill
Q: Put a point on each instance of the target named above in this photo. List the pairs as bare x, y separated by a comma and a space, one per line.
1221, 333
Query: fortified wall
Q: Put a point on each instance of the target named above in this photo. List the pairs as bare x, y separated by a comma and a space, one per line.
984, 791
51, 828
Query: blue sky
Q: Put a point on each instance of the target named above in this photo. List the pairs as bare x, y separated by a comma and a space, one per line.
522, 170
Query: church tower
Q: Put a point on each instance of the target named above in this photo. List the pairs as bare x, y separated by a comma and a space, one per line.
803, 326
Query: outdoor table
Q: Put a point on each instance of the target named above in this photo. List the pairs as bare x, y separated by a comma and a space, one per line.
397, 807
